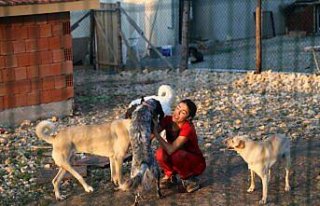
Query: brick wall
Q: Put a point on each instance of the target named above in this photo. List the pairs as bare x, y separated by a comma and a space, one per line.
35, 60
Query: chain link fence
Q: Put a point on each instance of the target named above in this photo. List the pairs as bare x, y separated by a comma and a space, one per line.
221, 31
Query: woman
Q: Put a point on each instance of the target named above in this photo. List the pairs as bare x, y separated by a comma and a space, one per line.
180, 154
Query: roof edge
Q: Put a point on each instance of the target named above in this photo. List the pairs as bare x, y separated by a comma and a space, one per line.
21, 10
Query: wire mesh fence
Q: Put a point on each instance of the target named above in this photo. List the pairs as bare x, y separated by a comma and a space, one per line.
220, 31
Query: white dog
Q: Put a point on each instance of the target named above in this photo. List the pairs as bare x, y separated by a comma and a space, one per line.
107, 139
260, 156
166, 97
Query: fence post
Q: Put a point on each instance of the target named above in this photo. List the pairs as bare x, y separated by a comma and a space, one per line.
185, 34
119, 46
258, 39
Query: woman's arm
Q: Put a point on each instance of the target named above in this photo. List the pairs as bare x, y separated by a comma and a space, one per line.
170, 148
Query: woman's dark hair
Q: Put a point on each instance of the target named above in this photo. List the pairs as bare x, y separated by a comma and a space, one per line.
192, 107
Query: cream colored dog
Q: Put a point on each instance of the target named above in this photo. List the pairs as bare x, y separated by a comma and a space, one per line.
108, 139
260, 157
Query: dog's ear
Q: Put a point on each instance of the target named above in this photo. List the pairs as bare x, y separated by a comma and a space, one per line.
159, 110
241, 145
128, 114
142, 100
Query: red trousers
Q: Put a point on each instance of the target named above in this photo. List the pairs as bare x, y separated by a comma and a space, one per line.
181, 162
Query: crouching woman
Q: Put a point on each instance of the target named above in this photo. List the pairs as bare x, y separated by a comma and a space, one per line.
180, 154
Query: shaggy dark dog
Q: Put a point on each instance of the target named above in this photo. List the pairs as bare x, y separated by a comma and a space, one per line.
144, 166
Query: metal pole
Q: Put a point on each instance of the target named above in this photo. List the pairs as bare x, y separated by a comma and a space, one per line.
185, 34
258, 39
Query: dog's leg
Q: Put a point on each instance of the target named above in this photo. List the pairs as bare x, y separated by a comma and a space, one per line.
265, 181
252, 182
86, 187
287, 168
158, 186
56, 183
113, 171
137, 197
118, 165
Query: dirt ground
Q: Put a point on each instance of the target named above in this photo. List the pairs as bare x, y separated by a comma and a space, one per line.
226, 178
225, 182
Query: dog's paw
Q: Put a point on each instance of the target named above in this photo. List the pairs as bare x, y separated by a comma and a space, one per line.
287, 188
89, 189
251, 189
262, 202
60, 197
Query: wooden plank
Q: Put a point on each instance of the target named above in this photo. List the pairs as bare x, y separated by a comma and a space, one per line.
47, 175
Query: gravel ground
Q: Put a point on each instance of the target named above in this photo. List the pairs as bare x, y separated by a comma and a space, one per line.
228, 104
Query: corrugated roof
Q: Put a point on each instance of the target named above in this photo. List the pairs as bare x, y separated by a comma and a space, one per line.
29, 2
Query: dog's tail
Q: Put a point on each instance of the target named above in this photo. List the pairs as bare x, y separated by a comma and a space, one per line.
137, 180
46, 130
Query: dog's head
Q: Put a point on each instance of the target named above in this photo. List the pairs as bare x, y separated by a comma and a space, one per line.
236, 143
128, 114
156, 109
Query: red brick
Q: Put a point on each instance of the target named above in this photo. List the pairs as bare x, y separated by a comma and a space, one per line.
8, 101
35, 85
20, 73
46, 96
11, 61
1, 79
33, 71
1, 104
60, 82
43, 44
67, 67
33, 31
55, 42
45, 30
5, 33
47, 83
39, 44
46, 57
19, 87
6, 47
20, 100
57, 29
3, 90
31, 45
50, 70
16, 33
57, 95
2, 62
19, 46
28, 59
41, 19
69, 92
7, 75
67, 41
33, 98
56, 69
23, 59
58, 55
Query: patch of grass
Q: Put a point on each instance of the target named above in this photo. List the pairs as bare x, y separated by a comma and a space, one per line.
93, 99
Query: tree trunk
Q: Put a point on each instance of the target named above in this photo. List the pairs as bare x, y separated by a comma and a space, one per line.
185, 35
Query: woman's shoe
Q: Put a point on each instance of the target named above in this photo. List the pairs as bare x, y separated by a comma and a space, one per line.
168, 182
191, 184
